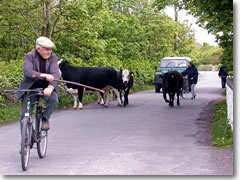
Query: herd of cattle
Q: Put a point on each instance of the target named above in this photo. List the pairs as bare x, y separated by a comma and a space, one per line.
104, 78
107, 78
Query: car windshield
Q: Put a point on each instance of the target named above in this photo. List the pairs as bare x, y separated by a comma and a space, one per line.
173, 63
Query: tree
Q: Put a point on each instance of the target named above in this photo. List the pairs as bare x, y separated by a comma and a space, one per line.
23, 21
217, 18
210, 54
177, 4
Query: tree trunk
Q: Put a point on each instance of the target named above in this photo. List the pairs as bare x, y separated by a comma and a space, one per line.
176, 35
46, 13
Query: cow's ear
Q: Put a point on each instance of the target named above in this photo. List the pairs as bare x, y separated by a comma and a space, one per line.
131, 73
60, 61
65, 62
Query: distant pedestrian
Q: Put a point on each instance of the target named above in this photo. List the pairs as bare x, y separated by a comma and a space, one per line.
192, 73
223, 75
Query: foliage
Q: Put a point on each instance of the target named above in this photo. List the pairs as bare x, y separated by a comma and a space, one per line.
210, 54
217, 18
10, 77
9, 114
221, 130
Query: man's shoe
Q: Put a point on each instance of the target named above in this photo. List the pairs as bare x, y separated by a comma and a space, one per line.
45, 125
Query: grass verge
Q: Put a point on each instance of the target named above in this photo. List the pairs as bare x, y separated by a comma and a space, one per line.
221, 130
11, 113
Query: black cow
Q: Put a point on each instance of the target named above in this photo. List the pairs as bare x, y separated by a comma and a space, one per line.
98, 77
125, 82
172, 84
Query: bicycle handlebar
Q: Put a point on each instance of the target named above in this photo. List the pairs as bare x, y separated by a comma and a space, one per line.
39, 77
15, 91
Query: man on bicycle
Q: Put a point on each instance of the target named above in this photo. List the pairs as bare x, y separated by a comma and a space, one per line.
41, 62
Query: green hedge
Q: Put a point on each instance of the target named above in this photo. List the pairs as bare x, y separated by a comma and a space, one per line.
11, 75
221, 130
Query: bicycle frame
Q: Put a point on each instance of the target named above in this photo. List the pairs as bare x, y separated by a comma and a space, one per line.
28, 114
31, 134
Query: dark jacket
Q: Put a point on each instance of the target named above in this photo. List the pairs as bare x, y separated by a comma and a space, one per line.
31, 67
222, 72
191, 72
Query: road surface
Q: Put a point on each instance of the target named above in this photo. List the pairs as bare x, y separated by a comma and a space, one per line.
145, 138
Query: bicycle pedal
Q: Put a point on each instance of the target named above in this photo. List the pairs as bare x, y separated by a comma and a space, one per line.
43, 107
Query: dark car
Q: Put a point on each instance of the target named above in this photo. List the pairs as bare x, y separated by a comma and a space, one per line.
169, 64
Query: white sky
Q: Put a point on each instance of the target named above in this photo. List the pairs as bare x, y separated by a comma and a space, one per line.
201, 34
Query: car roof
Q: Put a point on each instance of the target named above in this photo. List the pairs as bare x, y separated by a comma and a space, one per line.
179, 58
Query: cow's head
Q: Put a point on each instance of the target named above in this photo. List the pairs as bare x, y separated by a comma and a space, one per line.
61, 64
169, 80
126, 74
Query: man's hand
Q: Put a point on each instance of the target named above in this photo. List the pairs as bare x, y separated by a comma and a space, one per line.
48, 77
48, 91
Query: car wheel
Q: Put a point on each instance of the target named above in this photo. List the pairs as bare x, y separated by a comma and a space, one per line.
157, 88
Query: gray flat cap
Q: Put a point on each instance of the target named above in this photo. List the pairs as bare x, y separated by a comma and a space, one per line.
45, 42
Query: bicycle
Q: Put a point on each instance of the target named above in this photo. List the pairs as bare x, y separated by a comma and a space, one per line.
31, 128
185, 87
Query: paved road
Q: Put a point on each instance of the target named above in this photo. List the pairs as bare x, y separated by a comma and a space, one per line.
145, 138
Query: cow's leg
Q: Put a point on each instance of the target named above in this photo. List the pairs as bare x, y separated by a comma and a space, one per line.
126, 96
114, 96
171, 96
100, 98
178, 94
165, 97
116, 92
107, 97
80, 95
75, 101
170, 99
120, 94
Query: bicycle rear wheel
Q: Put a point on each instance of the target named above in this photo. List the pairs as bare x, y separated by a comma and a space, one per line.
42, 136
25, 143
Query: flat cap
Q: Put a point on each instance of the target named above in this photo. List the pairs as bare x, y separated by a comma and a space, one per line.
45, 42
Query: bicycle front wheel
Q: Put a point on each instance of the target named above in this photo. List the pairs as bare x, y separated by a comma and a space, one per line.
42, 137
25, 143
42, 143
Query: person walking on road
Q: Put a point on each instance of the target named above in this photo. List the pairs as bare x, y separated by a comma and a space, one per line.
192, 73
223, 75
41, 62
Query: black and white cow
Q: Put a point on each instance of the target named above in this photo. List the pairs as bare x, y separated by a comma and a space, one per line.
103, 78
172, 84
125, 82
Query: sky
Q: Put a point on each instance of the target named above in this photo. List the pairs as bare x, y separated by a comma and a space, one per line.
201, 34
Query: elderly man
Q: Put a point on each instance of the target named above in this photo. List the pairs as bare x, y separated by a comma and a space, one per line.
41, 62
